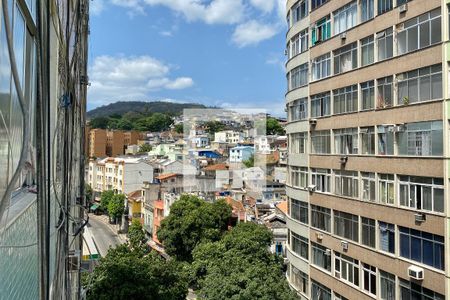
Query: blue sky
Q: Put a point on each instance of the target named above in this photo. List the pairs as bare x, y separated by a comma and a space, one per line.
227, 53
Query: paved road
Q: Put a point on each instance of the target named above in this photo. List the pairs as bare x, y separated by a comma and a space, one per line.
102, 234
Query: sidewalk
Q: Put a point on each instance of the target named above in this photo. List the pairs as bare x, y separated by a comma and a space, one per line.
114, 228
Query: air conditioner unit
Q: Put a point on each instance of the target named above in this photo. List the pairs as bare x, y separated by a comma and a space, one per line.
328, 252
344, 245
74, 261
313, 122
312, 188
420, 217
343, 160
398, 128
343, 35
337, 275
403, 8
415, 272
319, 236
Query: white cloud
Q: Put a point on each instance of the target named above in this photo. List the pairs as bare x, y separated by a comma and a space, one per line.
252, 33
264, 5
135, 6
96, 7
130, 78
166, 33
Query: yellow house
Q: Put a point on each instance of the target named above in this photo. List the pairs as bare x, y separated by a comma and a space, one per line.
135, 200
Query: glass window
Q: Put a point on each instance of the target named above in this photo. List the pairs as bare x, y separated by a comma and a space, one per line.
367, 95
370, 279
320, 142
317, 3
321, 257
368, 232
299, 210
367, 8
346, 268
345, 17
368, 186
346, 58
321, 218
346, 183
385, 43
346, 141
299, 279
411, 290
319, 291
420, 85
346, 225
320, 105
300, 245
321, 67
387, 286
385, 140
298, 110
299, 11
421, 139
299, 177
367, 140
321, 31
345, 99
422, 193
384, 6
386, 188
321, 178
422, 247
385, 92
419, 32
298, 76
297, 142
367, 50
299, 43
387, 237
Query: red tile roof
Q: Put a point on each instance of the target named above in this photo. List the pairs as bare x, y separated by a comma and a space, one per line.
217, 167
283, 206
166, 176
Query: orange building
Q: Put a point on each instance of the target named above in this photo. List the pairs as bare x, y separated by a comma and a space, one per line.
97, 143
115, 143
101, 142
158, 216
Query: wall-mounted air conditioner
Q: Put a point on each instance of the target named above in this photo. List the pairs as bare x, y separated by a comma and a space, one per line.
313, 122
343, 160
403, 8
319, 236
344, 245
343, 35
415, 272
312, 188
420, 218
328, 252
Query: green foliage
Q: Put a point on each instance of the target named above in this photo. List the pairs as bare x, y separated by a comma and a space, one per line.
125, 273
154, 122
249, 163
105, 198
88, 192
145, 148
179, 128
273, 127
214, 126
191, 221
116, 206
136, 234
100, 122
240, 267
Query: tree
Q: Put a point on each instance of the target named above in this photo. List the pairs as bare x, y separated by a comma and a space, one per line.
145, 148
116, 206
240, 267
124, 124
100, 122
179, 128
273, 127
88, 192
214, 126
191, 221
126, 273
250, 162
136, 234
105, 198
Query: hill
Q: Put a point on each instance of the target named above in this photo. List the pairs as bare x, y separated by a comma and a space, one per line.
122, 107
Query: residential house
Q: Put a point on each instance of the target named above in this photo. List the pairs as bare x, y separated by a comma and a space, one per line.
240, 153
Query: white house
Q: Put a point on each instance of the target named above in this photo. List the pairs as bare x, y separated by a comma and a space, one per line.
229, 137
240, 153
201, 141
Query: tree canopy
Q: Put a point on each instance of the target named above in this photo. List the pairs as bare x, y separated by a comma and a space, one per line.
133, 121
116, 206
126, 273
214, 126
250, 162
273, 127
191, 221
145, 148
136, 235
105, 198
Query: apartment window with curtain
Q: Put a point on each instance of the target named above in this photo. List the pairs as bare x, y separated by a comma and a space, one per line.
345, 17
421, 139
321, 257
368, 186
385, 40
299, 43
321, 67
316, 3
346, 225
321, 178
368, 232
299, 177
420, 85
298, 109
385, 6
346, 141
346, 58
367, 95
419, 32
369, 279
346, 268
385, 92
386, 188
422, 247
299, 76
320, 105
299, 11
299, 280
410, 290
367, 140
300, 245
387, 286
345, 99
346, 183
297, 143
385, 141
367, 9
422, 193
367, 51
320, 142
321, 218
387, 237
319, 291
299, 210
321, 31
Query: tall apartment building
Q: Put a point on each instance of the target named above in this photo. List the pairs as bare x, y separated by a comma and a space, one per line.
103, 142
368, 171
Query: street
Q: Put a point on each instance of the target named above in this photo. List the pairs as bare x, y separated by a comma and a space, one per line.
103, 235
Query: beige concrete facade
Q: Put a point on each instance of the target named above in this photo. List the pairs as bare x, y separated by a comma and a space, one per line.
391, 148
102, 143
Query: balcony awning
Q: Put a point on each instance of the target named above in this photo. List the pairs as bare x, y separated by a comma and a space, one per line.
94, 207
